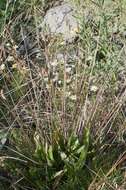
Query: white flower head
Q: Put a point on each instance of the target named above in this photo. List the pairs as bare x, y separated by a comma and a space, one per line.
73, 97
59, 82
10, 58
93, 88
2, 67
54, 63
68, 70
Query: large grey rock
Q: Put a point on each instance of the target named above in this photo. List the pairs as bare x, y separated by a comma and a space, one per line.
58, 21
61, 20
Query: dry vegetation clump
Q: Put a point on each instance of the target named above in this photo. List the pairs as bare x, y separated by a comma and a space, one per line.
62, 108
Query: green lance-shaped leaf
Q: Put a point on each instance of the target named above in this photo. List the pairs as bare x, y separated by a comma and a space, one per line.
73, 142
83, 150
40, 152
3, 138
